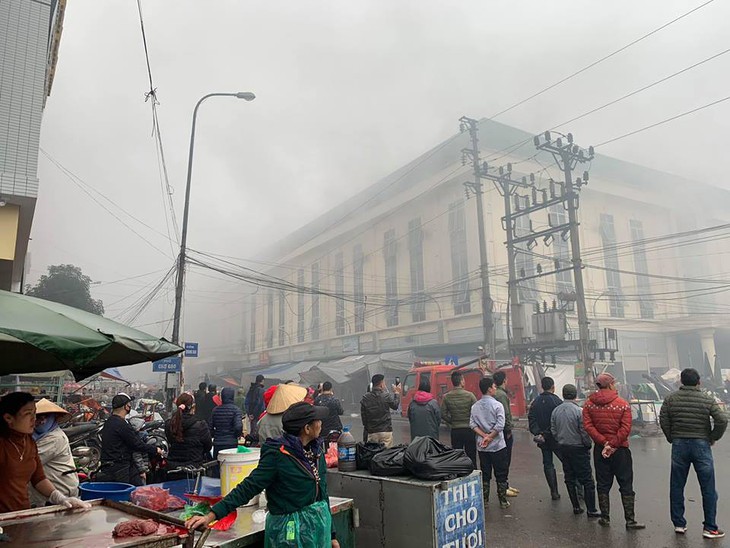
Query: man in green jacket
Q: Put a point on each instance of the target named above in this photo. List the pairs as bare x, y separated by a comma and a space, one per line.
455, 412
685, 420
502, 397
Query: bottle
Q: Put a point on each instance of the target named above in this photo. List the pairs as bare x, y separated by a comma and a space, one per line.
346, 451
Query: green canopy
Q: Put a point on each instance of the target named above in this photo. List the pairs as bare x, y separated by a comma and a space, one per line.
38, 335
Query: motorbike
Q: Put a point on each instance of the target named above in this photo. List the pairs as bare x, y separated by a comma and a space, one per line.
85, 442
152, 433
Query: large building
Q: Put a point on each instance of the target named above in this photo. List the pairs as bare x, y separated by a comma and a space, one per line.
30, 32
400, 264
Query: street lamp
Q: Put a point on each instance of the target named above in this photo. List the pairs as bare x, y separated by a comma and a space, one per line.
246, 96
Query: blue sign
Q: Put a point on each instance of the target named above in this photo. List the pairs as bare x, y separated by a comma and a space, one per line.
451, 360
191, 350
167, 365
460, 514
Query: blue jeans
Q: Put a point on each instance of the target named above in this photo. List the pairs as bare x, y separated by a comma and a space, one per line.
696, 452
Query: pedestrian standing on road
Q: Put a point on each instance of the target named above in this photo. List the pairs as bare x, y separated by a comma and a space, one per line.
226, 423
487, 422
254, 403
539, 423
456, 412
502, 397
607, 419
424, 413
328, 399
687, 418
206, 408
375, 409
200, 394
566, 425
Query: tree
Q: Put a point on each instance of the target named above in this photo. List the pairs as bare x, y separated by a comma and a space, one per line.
66, 284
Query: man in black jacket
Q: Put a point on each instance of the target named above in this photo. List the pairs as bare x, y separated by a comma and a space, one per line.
200, 397
254, 403
327, 399
538, 417
205, 409
375, 409
119, 440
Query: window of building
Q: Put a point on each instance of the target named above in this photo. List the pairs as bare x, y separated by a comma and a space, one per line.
415, 253
300, 306
339, 291
641, 266
358, 265
561, 250
269, 320
610, 261
252, 334
391, 277
459, 258
282, 318
315, 301
524, 262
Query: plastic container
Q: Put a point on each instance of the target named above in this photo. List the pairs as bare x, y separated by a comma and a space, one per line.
235, 467
346, 448
119, 492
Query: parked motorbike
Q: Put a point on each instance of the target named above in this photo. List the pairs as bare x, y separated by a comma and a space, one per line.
152, 433
85, 442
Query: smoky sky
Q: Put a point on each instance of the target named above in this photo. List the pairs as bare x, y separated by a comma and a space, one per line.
346, 93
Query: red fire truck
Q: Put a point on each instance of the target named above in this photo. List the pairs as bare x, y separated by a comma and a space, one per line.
440, 376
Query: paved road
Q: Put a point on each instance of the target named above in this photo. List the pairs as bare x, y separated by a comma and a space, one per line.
534, 520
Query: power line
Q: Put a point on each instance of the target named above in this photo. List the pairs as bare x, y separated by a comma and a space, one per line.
602, 59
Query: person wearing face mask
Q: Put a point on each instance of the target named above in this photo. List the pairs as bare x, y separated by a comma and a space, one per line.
20, 464
119, 440
54, 451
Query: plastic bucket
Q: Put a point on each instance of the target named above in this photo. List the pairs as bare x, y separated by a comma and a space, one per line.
235, 467
106, 490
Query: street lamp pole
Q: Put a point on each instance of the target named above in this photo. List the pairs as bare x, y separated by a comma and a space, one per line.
180, 282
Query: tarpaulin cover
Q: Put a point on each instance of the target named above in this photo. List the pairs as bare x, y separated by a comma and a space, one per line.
38, 335
429, 459
389, 462
342, 371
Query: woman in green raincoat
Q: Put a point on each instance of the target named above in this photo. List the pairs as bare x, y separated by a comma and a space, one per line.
293, 471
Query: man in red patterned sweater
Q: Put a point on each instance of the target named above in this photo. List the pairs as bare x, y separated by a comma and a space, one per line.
607, 419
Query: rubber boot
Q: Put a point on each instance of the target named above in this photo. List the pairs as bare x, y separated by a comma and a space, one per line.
573, 495
502, 495
485, 493
604, 503
628, 502
552, 480
589, 493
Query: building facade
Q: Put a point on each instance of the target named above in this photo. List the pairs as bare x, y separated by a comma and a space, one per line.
31, 34
397, 266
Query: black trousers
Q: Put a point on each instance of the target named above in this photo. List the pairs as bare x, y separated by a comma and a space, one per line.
120, 472
619, 465
494, 462
510, 442
464, 438
577, 465
549, 448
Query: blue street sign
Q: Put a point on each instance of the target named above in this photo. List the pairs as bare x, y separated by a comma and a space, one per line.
191, 350
451, 360
167, 365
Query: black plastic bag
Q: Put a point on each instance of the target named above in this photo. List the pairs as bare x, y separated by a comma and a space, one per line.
428, 459
389, 462
364, 453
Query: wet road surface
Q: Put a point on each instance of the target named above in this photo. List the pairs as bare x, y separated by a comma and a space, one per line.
534, 520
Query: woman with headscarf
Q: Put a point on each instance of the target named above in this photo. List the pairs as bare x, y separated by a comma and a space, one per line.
187, 434
20, 463
293, 471
54, 451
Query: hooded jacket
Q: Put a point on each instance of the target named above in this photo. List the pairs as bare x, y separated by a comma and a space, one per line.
226, 421
196, 444
607, 418
424, 415
287, 476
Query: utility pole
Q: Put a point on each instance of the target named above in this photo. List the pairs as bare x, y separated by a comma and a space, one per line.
568, 155
471, 125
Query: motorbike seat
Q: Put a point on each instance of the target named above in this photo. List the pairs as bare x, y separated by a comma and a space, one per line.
81, 429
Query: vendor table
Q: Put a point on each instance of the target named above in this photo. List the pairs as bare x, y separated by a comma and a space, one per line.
58, 527
406, 512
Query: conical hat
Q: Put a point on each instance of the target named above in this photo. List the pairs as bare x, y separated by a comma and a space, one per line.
46, 406
284, 396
